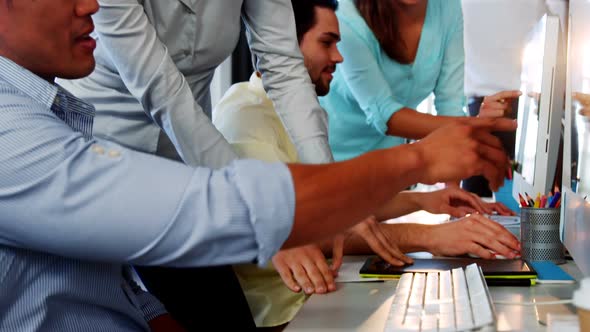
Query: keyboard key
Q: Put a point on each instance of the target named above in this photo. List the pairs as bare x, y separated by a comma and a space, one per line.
453, 300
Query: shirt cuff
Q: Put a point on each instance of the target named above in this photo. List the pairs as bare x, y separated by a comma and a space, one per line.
271, 203
149, 305
451, 108
380, 112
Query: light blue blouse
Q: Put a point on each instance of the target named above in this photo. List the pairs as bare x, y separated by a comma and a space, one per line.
368, 87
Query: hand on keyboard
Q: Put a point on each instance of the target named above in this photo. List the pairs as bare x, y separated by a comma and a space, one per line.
378, 239
452, 300
474, 235
457, 202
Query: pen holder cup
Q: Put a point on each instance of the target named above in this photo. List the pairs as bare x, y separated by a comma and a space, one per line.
539, 234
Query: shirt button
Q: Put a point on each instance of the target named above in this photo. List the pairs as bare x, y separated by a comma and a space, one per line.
97, 149
114, 154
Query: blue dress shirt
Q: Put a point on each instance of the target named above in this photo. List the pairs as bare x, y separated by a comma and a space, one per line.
73, 209
369, 87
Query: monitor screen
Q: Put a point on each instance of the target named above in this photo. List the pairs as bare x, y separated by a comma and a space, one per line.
528, 110
540, 109
575, 216
579, 104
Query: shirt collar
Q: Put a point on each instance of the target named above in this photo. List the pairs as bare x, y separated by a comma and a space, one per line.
27, 83
255, 84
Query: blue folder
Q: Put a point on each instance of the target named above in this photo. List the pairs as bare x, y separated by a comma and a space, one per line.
549, 272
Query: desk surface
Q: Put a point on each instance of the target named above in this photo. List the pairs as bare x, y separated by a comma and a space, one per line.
364, 306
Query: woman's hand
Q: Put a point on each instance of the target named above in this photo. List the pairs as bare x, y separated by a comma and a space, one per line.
499, 104
453, 201
458, 203
475, 235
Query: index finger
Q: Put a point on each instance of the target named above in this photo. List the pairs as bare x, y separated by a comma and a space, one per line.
474, 201
337, 253
507, 94
494, 124
502, 209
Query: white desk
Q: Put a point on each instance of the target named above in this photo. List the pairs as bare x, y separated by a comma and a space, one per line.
364, 306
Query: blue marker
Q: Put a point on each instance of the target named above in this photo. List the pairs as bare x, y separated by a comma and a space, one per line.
554, 199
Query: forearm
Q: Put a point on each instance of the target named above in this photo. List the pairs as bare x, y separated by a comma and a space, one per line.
408, 237
401, 204
412, 124
332, 198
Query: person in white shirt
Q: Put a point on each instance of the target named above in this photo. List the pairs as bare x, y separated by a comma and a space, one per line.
495, 35
246, 117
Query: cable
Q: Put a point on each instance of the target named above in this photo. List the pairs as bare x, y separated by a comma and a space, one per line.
533, 303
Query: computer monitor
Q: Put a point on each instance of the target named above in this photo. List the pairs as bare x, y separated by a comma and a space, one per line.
575, 210
540, 109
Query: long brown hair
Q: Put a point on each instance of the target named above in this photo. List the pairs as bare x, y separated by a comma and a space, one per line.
381, 19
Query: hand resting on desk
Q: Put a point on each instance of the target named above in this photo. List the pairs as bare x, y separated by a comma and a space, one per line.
305, 268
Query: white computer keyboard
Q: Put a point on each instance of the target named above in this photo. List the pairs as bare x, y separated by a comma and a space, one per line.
505, 220
453, 300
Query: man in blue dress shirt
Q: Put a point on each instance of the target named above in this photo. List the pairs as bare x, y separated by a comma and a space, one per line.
74, 210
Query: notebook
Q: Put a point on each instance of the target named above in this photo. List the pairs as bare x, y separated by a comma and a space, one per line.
497, 272
550, 273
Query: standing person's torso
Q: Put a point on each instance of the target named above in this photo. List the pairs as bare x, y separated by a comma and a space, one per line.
198, 35
350, 133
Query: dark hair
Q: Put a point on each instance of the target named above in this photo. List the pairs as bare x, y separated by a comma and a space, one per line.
380, 17
305, 13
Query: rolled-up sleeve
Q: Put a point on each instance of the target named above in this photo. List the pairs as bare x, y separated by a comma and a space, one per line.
365, 79
96, 200
145, 66
449, 90
273, 40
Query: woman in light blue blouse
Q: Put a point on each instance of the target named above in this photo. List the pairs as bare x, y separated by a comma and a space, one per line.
396, 52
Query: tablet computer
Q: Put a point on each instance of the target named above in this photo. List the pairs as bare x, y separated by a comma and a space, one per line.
497, 272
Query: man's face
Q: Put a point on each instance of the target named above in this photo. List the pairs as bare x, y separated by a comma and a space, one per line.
49, 37
319, 50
